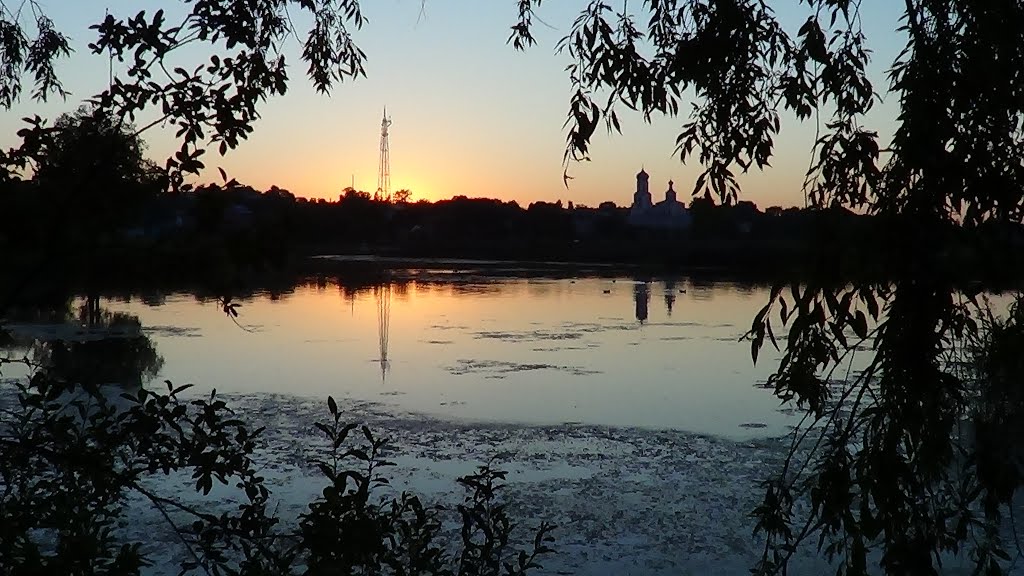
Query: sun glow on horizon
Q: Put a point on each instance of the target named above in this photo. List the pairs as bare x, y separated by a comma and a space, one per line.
483, 122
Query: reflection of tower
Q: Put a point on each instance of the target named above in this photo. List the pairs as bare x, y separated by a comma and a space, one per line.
349, 296
384, 169
642, 297
670, 295
383, 296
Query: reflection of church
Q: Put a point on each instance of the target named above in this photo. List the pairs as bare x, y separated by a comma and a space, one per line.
670, 213
642, 298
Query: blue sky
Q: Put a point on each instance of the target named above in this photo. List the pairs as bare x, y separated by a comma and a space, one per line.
471, 115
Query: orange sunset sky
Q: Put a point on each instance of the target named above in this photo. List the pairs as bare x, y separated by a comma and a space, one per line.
471, 115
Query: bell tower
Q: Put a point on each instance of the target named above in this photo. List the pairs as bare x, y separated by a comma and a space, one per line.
642, 196
670, 194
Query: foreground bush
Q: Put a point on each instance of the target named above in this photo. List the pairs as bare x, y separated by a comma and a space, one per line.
72, 455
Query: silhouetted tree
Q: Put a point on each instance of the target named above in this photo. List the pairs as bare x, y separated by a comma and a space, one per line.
212, 100
280, 193
402, 196
352, 195
884, 465
92, 167
210, 208
67, 466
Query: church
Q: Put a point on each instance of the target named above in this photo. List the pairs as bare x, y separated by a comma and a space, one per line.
669, 214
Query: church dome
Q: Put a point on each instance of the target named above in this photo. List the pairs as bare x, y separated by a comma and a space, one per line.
641, 175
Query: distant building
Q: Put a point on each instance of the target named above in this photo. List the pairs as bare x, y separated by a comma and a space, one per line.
669, 214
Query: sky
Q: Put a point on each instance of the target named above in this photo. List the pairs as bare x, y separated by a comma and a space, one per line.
470, 115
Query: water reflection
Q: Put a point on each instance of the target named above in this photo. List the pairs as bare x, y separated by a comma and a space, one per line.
508, 349
382, 295
642, 300
84, 344
670, 295
113, 352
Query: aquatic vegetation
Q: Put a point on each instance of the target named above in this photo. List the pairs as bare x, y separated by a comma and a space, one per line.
500, 368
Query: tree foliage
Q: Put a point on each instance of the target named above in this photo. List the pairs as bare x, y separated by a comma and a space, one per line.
29, 44
211, 102
76, 452
73, 450
402, 196
883, 461
91, 145
885, 458
93, 166
85, 437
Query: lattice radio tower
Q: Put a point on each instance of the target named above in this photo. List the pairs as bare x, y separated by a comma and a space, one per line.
384, 171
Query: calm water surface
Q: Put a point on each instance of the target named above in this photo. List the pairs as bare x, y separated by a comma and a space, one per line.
618, 352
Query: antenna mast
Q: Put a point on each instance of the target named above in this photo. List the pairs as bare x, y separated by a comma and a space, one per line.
384, 170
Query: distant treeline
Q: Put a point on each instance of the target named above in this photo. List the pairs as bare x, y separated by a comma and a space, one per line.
233, 228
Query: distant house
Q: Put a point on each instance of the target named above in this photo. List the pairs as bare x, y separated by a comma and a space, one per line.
669, 214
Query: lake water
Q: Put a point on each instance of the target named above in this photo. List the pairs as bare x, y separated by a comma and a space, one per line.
662, 354
628, 412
